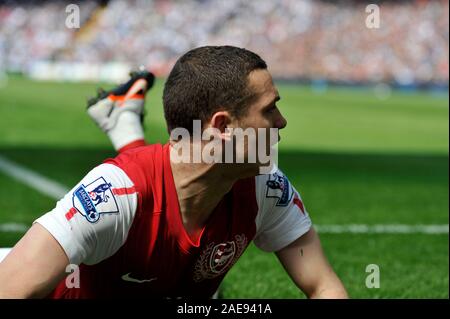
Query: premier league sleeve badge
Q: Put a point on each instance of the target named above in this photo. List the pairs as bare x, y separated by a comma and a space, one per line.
94, 199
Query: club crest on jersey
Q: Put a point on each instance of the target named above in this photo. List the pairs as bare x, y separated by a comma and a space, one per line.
94, 199
279, 187
215, 260
221, 256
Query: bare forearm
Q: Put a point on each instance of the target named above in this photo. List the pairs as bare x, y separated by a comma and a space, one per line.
305, 262
330, 289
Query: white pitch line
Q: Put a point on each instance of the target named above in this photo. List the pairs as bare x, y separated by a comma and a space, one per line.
383, 229
13, 228
32, 179
322, 229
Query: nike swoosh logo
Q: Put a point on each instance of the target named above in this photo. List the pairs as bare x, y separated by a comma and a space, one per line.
127, 277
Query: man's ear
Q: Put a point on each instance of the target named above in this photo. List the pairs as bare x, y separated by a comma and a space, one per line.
221, 120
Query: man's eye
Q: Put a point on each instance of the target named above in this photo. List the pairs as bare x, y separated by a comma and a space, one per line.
272, 109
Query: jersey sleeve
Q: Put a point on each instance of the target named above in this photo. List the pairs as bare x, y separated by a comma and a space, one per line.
282, 217
92, 221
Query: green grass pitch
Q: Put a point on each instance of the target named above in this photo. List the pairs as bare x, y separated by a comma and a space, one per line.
354, 158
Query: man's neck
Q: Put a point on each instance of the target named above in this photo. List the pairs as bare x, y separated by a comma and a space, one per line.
200, 187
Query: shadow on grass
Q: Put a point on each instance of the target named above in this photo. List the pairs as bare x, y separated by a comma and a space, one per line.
358, 180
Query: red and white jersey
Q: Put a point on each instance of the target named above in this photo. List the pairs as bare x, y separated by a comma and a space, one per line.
123, 226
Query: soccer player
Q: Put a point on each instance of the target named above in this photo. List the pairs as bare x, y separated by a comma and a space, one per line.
143, 224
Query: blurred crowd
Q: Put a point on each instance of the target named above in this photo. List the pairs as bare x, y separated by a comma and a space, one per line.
298, 38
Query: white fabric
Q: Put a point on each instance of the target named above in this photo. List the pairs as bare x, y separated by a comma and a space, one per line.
4, 252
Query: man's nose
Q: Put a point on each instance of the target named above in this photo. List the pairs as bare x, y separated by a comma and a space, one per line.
280, 122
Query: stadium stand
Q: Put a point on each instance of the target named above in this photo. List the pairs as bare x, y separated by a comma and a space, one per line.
300, 39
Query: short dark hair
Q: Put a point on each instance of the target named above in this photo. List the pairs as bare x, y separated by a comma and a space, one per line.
206, 80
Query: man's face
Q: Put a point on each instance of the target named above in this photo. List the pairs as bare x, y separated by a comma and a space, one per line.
263, 113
